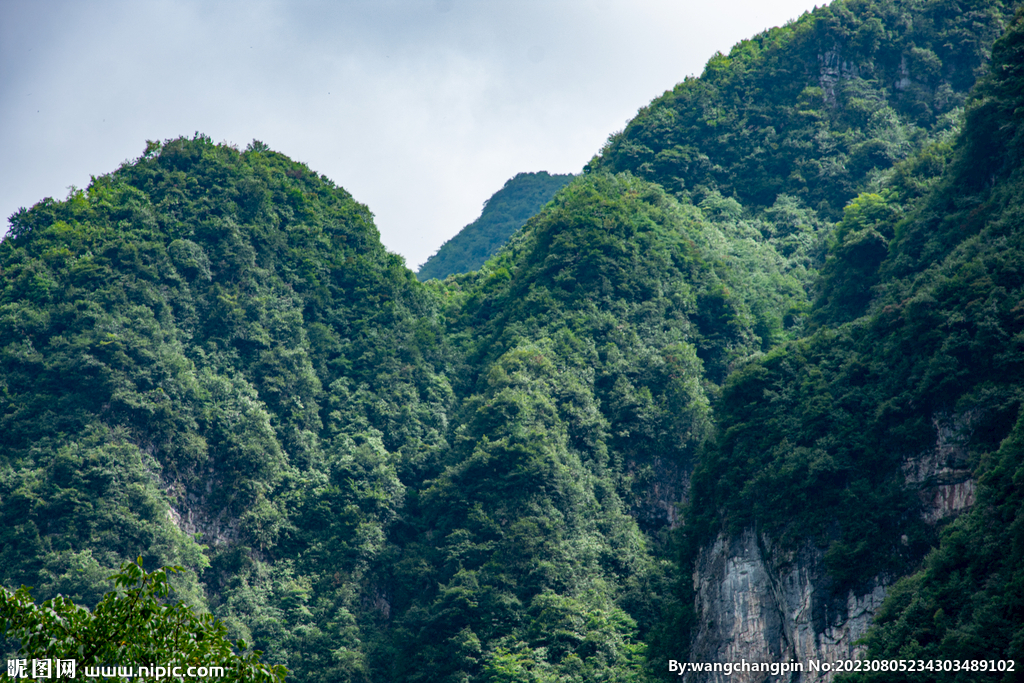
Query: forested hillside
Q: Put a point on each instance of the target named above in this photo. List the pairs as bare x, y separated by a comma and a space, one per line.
816, 110
755, 310
918, 338
504, 213
210, 360
958, 262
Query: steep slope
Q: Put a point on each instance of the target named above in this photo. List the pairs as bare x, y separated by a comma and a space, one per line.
538, 549
816, 109
503, 214
212, 347
841, 452
967, 601
208, 358
796, 122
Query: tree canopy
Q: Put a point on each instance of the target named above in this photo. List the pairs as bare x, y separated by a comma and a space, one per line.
780, 282
504, 213
133, 626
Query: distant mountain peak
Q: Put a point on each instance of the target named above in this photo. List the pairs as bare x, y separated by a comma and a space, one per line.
505, 212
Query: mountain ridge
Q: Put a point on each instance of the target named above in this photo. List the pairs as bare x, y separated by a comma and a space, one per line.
504, 212
513, 473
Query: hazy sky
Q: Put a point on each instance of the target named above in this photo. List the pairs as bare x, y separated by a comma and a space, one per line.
420, 108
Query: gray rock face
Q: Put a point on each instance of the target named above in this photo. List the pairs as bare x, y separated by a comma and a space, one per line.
942, 475
665, 489
192, 514
833, 68
759, 605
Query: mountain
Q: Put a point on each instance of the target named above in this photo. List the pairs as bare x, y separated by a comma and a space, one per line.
884, 444
503, 214
583, 406
210, 360
817, 110
748, 388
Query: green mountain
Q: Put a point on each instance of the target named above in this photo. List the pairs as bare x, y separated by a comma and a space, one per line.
504, 213
591, 343
817, 110
903, 406
763, 358
210, 360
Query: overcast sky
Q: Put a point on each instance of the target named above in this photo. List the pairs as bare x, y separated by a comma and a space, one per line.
420, 108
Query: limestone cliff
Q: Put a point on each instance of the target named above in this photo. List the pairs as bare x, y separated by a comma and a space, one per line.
757, 603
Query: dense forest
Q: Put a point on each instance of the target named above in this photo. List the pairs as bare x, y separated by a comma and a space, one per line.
506, 211
769, 292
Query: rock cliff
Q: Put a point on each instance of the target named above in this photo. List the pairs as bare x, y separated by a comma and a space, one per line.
758, 604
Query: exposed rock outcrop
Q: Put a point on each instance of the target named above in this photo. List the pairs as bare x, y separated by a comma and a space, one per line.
193, 514
662, 489
762, 606
942, 475
758, 604
833, 68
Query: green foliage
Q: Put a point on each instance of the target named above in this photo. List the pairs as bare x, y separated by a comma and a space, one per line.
860, 245
569, 326
813, 436
133, 625
95, 502
815, 109
205, 347
617, 249
594, 343
803, 454
966, 601
207, 359
504, 213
